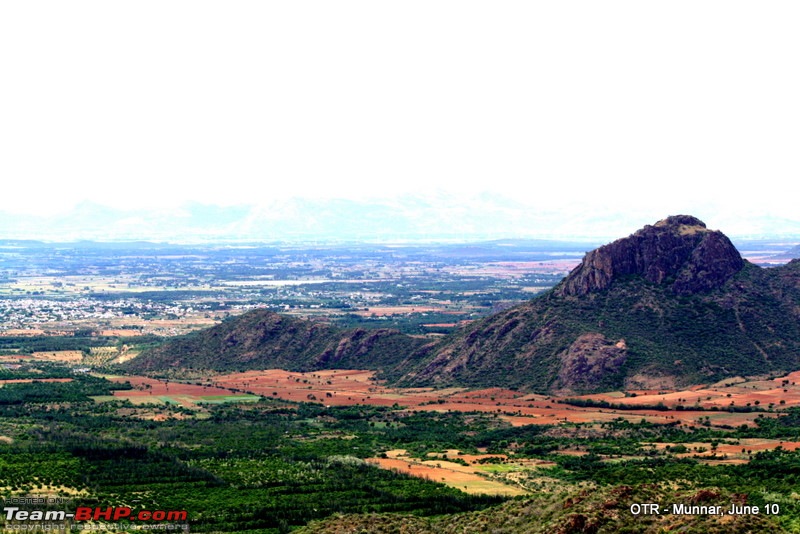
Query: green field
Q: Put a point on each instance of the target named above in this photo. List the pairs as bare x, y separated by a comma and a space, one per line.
240, 463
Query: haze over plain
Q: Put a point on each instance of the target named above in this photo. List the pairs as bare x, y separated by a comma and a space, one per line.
356, 120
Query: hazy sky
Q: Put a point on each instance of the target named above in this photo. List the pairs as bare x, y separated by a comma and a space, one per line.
635, 109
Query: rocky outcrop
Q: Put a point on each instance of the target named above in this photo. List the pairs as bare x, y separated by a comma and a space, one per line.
679, 251
589, 359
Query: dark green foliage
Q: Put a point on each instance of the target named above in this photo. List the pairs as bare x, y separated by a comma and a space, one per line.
241, 469
267, 467
262, 339
78, 390
593, 403
80, 341
38, 371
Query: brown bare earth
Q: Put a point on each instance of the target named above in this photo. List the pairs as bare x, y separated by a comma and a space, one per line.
150, 390
65, 356
741, 448
359, 387
143, 386
121, 333
27, 332
31, 380
466, 478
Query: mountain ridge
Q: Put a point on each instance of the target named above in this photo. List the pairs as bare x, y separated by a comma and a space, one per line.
422, 217
262, 338
671, 305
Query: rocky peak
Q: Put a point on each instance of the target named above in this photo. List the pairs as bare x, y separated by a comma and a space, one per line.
678, 251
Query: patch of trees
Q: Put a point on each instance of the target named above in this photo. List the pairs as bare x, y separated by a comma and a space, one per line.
78, 390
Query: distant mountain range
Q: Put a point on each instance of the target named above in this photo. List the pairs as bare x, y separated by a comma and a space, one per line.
794, 252
408, 218
671, 305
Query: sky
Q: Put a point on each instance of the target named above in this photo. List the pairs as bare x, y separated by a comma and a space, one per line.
534, 118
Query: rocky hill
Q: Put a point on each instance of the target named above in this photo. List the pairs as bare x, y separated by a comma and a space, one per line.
679, 252
261, 339
670, 305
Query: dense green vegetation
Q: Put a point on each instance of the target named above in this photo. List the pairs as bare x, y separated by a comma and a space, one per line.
82, 340
24, 371
273, 466
259, 468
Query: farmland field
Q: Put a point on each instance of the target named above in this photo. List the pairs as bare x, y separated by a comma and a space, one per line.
148, 390
716, 403
475, 449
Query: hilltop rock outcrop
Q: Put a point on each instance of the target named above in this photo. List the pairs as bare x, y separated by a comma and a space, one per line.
678, 251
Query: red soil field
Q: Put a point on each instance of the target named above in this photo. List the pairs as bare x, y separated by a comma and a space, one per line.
121, 333
31, 380
359, 387
144, 386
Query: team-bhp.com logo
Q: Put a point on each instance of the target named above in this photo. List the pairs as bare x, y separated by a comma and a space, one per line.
15, 518
85, 513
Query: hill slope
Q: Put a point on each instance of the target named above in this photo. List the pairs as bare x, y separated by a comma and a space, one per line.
261, 339
603, 509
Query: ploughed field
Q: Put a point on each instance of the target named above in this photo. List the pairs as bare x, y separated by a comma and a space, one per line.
151, 390
729, 403
470, 478
732, 402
